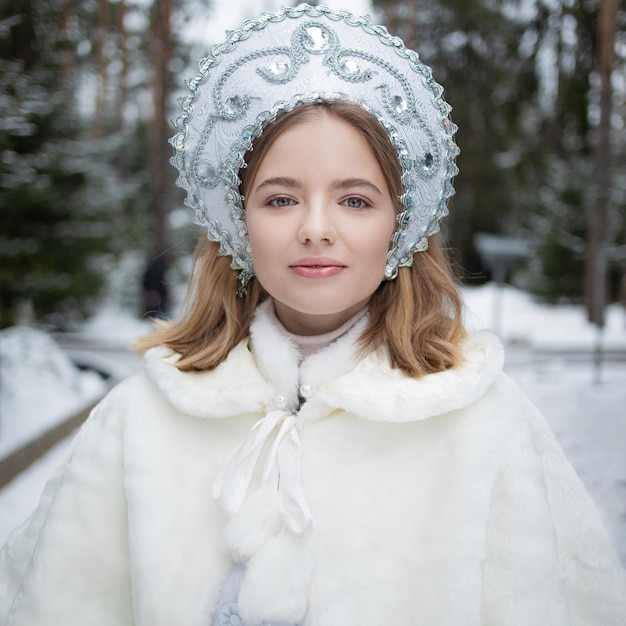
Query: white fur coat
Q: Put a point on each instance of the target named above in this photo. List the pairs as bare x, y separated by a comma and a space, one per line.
443, 501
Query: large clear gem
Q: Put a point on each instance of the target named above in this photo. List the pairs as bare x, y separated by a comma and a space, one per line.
399, 104
278, 68
316, 39
350, 66
233, 105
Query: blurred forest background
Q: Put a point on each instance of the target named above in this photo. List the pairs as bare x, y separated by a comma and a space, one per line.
87, 194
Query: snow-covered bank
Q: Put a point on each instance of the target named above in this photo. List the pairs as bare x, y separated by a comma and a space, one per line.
40, 386
520, 319
116, 325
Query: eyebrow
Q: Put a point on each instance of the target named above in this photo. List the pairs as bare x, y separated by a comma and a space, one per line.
282, 181
344, 183
347, 183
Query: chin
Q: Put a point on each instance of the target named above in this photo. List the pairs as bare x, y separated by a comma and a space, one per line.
319, 308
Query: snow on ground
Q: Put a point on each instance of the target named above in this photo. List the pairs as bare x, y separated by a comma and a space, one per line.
548, 355
519, 319
40, 385
115, 325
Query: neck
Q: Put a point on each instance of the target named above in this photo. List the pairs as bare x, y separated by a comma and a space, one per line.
303, 324
309, 344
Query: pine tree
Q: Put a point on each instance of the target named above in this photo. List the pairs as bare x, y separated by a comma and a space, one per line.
74, 152
45, 249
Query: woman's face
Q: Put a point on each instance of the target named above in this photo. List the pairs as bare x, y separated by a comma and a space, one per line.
320, 219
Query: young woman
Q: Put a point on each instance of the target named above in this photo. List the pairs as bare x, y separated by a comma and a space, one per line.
316, 440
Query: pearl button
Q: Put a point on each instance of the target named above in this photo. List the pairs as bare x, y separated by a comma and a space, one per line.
306, 391
280, 401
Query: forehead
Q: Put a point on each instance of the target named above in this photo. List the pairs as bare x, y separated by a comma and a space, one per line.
321, 141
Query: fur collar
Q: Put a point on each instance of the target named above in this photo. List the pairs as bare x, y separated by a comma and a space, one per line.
265, 367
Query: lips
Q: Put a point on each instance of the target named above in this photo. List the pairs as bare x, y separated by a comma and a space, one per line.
317, 267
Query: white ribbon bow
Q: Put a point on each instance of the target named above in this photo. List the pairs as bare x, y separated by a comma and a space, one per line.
281, 470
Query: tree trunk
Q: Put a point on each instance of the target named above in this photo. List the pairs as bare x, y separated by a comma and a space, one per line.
162, 49
102, 35
597, 262
122, 87
68, 61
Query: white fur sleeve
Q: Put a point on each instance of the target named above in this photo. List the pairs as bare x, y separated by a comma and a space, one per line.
68, 563
549, 558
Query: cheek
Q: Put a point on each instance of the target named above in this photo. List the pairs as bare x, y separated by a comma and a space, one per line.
384, 243
262, 240
257, 234
382, 236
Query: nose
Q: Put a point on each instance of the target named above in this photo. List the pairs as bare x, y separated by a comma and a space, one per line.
318, 224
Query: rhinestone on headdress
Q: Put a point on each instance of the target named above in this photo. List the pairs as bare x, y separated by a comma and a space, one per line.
308, 54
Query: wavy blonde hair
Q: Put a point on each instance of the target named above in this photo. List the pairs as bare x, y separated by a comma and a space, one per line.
416, 318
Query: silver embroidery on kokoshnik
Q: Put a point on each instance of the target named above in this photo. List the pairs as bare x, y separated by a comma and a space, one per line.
302, 55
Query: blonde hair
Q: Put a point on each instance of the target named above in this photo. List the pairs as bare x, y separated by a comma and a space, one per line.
415, 318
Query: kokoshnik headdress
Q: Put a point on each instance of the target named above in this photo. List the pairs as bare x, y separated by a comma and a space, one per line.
301, 55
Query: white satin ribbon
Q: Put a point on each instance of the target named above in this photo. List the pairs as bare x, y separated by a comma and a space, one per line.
281, 470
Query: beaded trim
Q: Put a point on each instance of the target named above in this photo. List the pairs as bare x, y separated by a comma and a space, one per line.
249, 79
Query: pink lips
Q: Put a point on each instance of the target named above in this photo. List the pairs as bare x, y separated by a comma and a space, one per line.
317, 268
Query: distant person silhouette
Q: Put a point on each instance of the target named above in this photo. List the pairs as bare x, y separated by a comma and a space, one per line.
156, 301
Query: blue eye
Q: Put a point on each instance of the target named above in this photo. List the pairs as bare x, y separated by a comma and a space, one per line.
281, 202
355, 202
